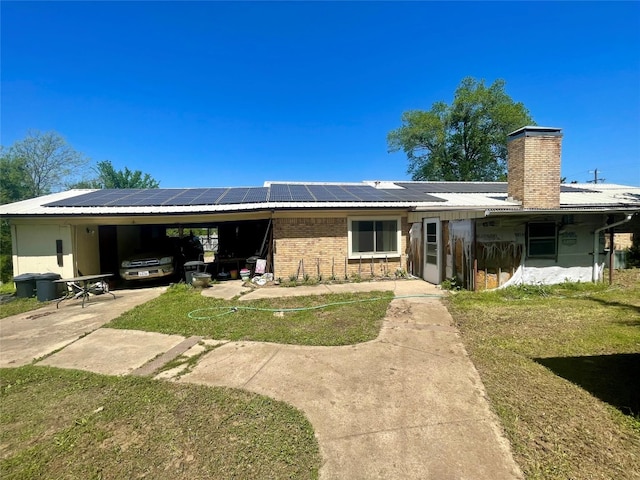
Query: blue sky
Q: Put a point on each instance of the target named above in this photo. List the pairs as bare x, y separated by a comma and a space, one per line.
206, 94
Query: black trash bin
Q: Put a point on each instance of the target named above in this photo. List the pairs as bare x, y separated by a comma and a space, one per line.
46, 288
25, 285
190, 268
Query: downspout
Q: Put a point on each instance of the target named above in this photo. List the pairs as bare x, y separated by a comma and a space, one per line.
594, 274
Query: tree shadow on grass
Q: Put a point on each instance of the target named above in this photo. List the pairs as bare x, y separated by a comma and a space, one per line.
612, 378
633, 310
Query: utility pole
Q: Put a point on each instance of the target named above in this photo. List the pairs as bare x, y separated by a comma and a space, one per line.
595, 177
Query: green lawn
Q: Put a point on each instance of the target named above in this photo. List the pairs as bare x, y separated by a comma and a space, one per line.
19, 305
351, 318
68, 424
561, 366
16, 305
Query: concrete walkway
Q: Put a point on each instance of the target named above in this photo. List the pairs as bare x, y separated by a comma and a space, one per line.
408, 405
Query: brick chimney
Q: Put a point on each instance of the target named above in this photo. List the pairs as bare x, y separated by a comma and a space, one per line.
534, 166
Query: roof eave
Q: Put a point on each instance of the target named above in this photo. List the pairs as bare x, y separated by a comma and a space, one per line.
564, 211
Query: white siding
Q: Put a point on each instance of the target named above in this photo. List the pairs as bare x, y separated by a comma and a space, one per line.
34, 249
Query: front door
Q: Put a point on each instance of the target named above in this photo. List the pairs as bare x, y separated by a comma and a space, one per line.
431, 229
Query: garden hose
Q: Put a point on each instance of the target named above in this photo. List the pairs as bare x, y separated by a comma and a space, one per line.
193, 314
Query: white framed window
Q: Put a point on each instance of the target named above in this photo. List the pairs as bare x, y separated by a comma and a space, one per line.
376, 237
542, 240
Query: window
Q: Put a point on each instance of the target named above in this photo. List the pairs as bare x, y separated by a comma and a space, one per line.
542, 239
374, 237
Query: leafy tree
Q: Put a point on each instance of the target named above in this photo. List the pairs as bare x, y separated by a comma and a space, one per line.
6, 254
109, 177
13, 187
464, 141
31, 167
48, 161
14, 179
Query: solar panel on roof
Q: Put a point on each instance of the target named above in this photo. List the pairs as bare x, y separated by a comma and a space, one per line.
569, 189
98, 198
138, 197
177, 197
366, 193
210, 196
233, 195
90, 199
280, 193
121, 202
321, 193
342, 194
300, 193
256, 195
225, 196
456, 187
394, 195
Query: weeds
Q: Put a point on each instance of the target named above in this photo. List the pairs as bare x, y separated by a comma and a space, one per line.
451, 284
401, 273
7, 288
186, 363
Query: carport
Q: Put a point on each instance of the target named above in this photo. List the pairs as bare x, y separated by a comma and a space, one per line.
91, 232
237, 241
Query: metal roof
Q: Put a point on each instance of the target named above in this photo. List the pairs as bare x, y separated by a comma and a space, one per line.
422, 196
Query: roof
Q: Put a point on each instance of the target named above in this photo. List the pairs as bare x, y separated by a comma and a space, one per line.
423, 196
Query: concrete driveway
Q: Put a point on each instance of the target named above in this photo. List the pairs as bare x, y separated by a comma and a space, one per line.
38, 333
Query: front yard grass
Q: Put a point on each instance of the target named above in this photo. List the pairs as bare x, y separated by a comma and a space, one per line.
9, 305
19, 305
182, 310
561, 366
69, 424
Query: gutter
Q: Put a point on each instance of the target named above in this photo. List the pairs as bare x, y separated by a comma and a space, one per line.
594, 274
564, 211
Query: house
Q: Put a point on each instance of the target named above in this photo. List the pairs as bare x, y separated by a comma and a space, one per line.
529, 229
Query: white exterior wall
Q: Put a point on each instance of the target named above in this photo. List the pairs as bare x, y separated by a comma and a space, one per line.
574, 261
34, 249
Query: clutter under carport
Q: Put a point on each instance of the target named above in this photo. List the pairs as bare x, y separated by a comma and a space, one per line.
195, 274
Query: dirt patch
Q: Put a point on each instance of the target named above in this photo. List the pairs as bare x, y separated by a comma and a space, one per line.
399, 310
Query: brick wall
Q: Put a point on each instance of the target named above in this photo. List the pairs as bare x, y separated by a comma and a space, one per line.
534, 167
321, 244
